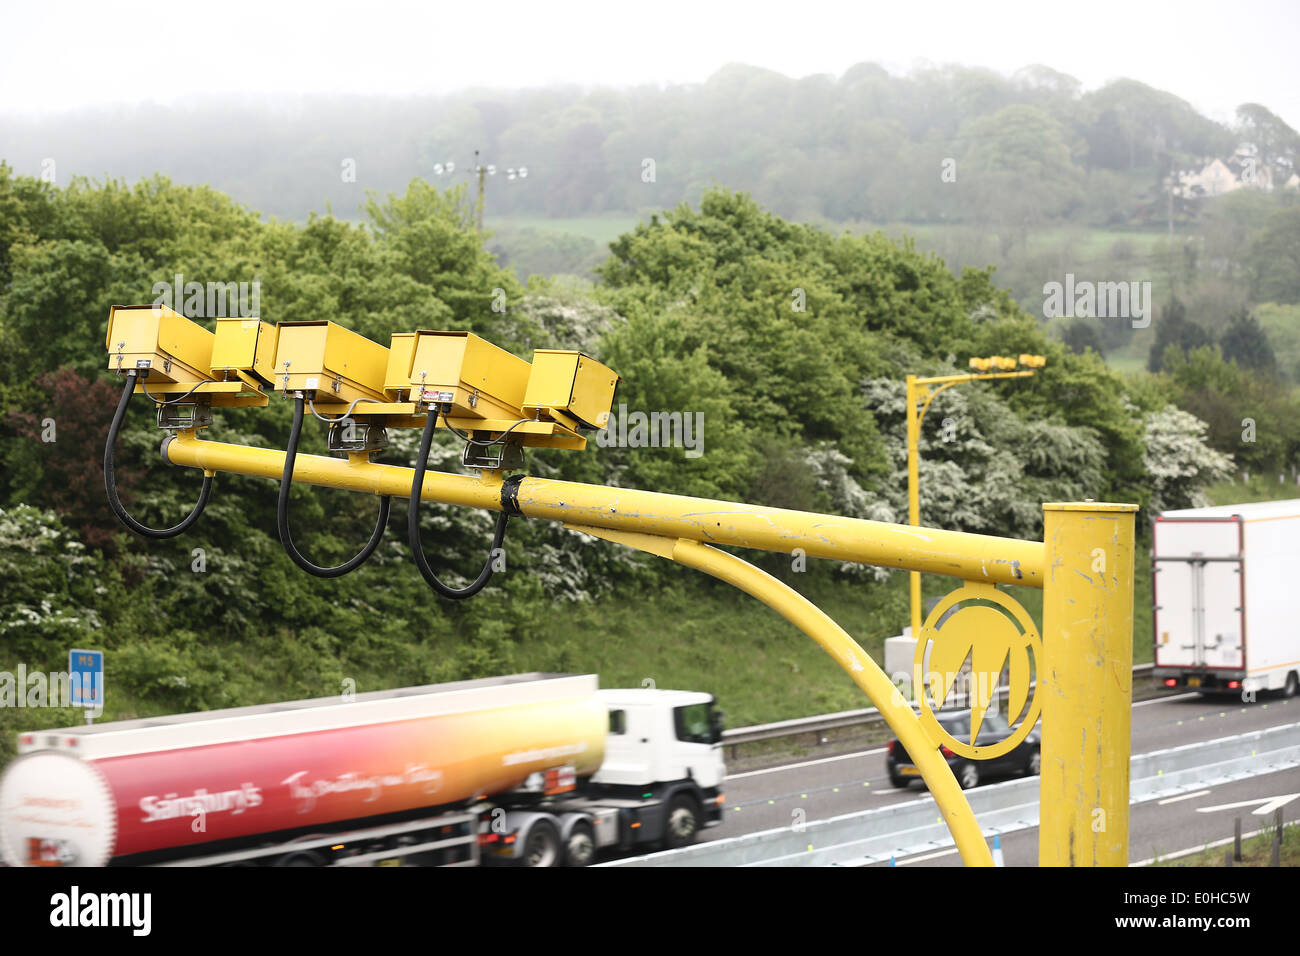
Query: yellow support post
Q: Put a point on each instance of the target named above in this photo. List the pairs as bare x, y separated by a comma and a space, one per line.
923, 390
913, 496
846, 652
1086, 683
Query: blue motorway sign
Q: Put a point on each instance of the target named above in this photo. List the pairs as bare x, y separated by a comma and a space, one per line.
86, 673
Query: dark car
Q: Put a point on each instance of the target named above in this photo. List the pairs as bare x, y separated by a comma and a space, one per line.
1020, 760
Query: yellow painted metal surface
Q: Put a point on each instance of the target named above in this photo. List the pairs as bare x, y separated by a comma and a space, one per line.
845, 651
1086, 684
328, 359
397, 374
991, 638
237, 394
160, 341
479, 379
570, 386
955, 553
244, 345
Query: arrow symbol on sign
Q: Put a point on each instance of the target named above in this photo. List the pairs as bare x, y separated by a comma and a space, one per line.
1269, 804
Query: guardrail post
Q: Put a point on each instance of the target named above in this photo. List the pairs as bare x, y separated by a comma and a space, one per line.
1086, 680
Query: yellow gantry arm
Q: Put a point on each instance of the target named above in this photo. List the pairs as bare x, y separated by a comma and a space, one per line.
974, 557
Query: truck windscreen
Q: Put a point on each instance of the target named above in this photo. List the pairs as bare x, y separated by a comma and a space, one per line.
696, 724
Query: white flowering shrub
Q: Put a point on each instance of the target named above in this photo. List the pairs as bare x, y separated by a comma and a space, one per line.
48, 585
994, 471
1179, 461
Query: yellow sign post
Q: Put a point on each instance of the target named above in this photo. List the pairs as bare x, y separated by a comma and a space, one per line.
1088, 679
923, 390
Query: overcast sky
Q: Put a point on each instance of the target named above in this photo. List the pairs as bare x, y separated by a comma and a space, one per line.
58, 55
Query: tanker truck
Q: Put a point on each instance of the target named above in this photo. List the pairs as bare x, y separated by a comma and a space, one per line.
526, 770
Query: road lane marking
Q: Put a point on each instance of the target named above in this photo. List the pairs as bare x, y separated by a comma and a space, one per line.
1269, 804
1186, 796
806, 763
1161, 700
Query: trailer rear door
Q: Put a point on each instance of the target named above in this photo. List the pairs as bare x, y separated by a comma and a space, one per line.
1198, 617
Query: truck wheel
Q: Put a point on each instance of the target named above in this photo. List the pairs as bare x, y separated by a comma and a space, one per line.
580, 848
543, 845
300, 859
899, 783
1291, 686
683, 823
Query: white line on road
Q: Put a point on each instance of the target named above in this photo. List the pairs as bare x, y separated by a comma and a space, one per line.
1161, 700
1268, 804
1186, 796
806, 763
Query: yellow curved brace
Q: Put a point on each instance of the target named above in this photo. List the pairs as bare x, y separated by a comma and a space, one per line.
846, 652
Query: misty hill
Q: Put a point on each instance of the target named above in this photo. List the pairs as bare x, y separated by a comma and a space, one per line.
864, 146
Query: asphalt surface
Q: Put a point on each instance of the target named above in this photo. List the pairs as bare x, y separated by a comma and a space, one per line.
814, 788
1160, 828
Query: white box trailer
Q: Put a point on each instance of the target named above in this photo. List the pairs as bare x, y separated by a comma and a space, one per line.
1226, 598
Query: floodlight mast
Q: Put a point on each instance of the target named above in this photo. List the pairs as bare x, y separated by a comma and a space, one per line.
924, 391
442, 375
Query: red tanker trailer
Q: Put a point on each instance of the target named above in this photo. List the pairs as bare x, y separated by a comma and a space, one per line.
536, 769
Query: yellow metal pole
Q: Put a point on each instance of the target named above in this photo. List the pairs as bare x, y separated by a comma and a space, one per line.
846, 652
975, 557
913, 496
918, 388
1086, 682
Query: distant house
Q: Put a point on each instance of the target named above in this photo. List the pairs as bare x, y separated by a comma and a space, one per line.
1214, 179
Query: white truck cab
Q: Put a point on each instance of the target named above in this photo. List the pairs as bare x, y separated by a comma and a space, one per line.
661, 735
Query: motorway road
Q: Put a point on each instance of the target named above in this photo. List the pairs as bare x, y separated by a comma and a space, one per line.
814, 788
1160, 828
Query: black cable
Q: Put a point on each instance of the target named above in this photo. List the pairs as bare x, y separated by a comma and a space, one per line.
179, 398
110, 479
282, 512
413, 525
478, 441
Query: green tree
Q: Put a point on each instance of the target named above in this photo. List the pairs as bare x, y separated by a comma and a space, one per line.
1017, 172
1245, 342
1174, 329
1275, 258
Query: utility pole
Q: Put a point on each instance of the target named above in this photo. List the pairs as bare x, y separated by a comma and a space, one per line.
482, 172
482, 177
1173, 180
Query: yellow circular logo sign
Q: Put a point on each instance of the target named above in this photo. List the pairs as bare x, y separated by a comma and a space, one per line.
994, 635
